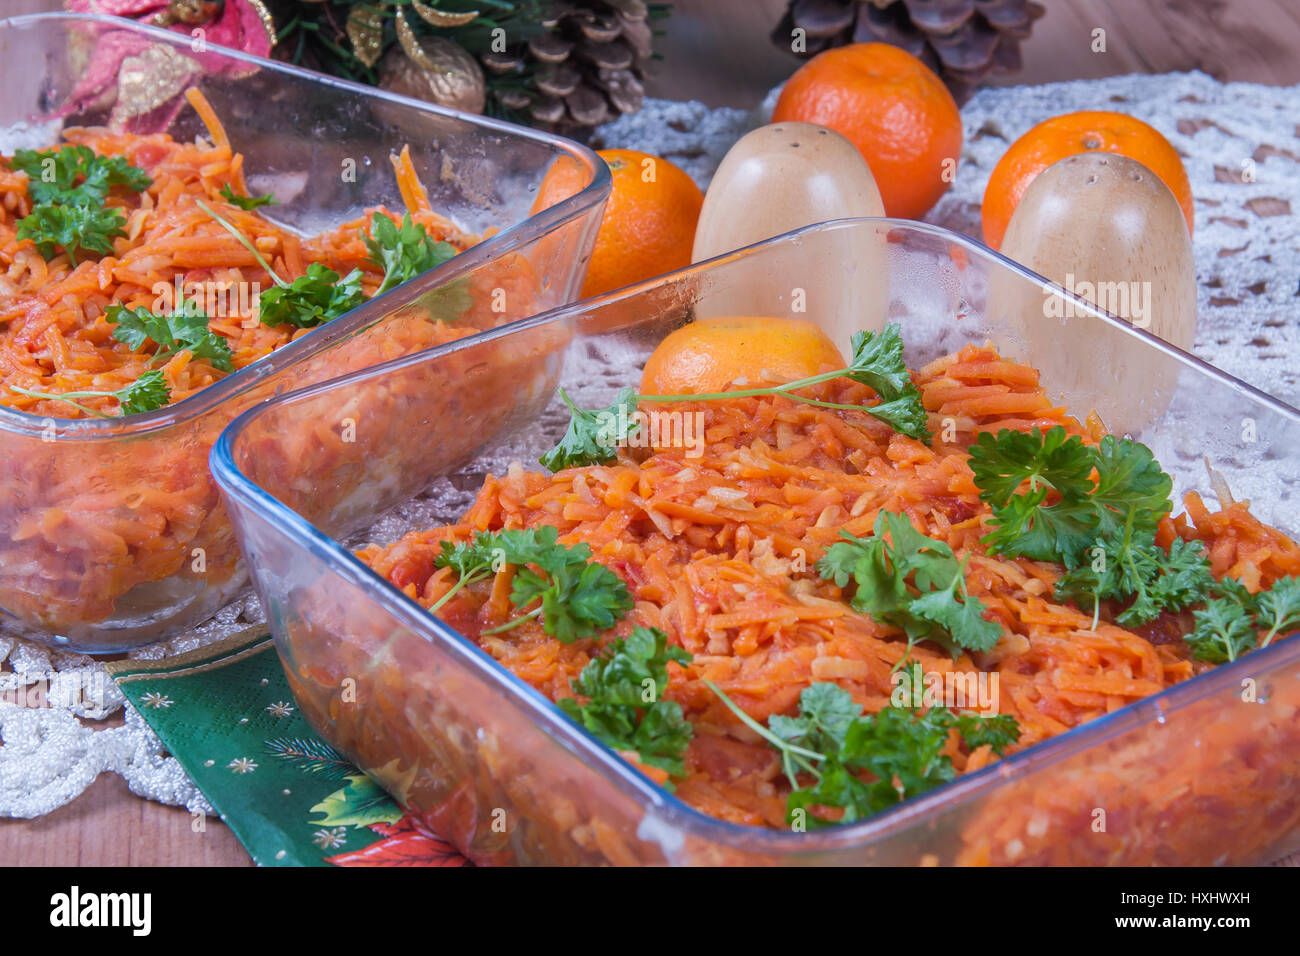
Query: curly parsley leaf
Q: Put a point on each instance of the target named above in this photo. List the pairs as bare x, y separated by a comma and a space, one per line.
146, 393
998, 731
911, 581
76, 174
403, 252
68, 187
1129, 481
73, 228
1278, 609
593, 436
624, 708
574, 596
828, 747
1053, 462
316, 297
185, 329
877, 362
247, 203
1223, 631
1129, 564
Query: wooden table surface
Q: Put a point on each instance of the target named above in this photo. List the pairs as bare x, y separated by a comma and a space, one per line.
718, 51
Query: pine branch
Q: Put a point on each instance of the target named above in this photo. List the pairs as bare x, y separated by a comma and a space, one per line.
311, 756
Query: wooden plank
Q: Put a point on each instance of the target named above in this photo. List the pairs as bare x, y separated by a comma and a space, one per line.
110, 826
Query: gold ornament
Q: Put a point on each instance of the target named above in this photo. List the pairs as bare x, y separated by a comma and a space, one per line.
190, 12
366, 31
268, 24
442, 18
150, 79
439, 71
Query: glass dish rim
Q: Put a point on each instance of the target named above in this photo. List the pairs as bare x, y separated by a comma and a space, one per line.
627, 779
526, 230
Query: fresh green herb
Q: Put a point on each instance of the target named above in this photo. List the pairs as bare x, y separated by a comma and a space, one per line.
592, 436
1129, 481
1278, 609
403, 253
913, 582
624, 687
834, 743
73, 228
877, 363
1223, 631
574, 596
1130, 564
76, 174
1230, 622
68, 187
998, 731
185, 328
312, 299
247, 203
145, 394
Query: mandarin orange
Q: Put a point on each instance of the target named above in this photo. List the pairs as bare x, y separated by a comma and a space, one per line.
649, 223
1068, 134
710, 355
893, 108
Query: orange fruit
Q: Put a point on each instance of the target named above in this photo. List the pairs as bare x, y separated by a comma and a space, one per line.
893, 108
649, 223
709, 355
1061, 136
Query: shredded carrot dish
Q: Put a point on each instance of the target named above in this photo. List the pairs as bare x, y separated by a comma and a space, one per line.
134, 530
54, 334
718, 552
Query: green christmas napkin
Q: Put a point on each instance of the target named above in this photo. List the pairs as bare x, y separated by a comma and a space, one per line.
226, 714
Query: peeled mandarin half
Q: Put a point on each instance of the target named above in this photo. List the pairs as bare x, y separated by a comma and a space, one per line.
713, 355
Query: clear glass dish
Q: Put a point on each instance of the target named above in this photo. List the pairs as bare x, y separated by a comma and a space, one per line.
77, 496
1206, 772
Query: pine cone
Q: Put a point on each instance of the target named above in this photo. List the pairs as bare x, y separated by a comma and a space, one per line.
585, 66
961, 40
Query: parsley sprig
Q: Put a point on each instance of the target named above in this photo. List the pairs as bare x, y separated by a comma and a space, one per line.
74, 229
834, 743
913, 582
574, 596
76, 173
403, 252
1128, 480
146, 393
1129, 564
313, 298
185, 328
68, 187
247, 203
623, 688
593, 436
1103, 531
1230, 622
1278, 609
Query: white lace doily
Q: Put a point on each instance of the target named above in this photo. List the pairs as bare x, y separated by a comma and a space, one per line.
1241, 146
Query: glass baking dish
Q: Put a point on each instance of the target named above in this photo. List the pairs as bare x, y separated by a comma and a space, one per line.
112, 534
1206, 772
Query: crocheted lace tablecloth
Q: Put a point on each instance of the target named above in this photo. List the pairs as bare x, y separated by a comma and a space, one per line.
1240, 144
